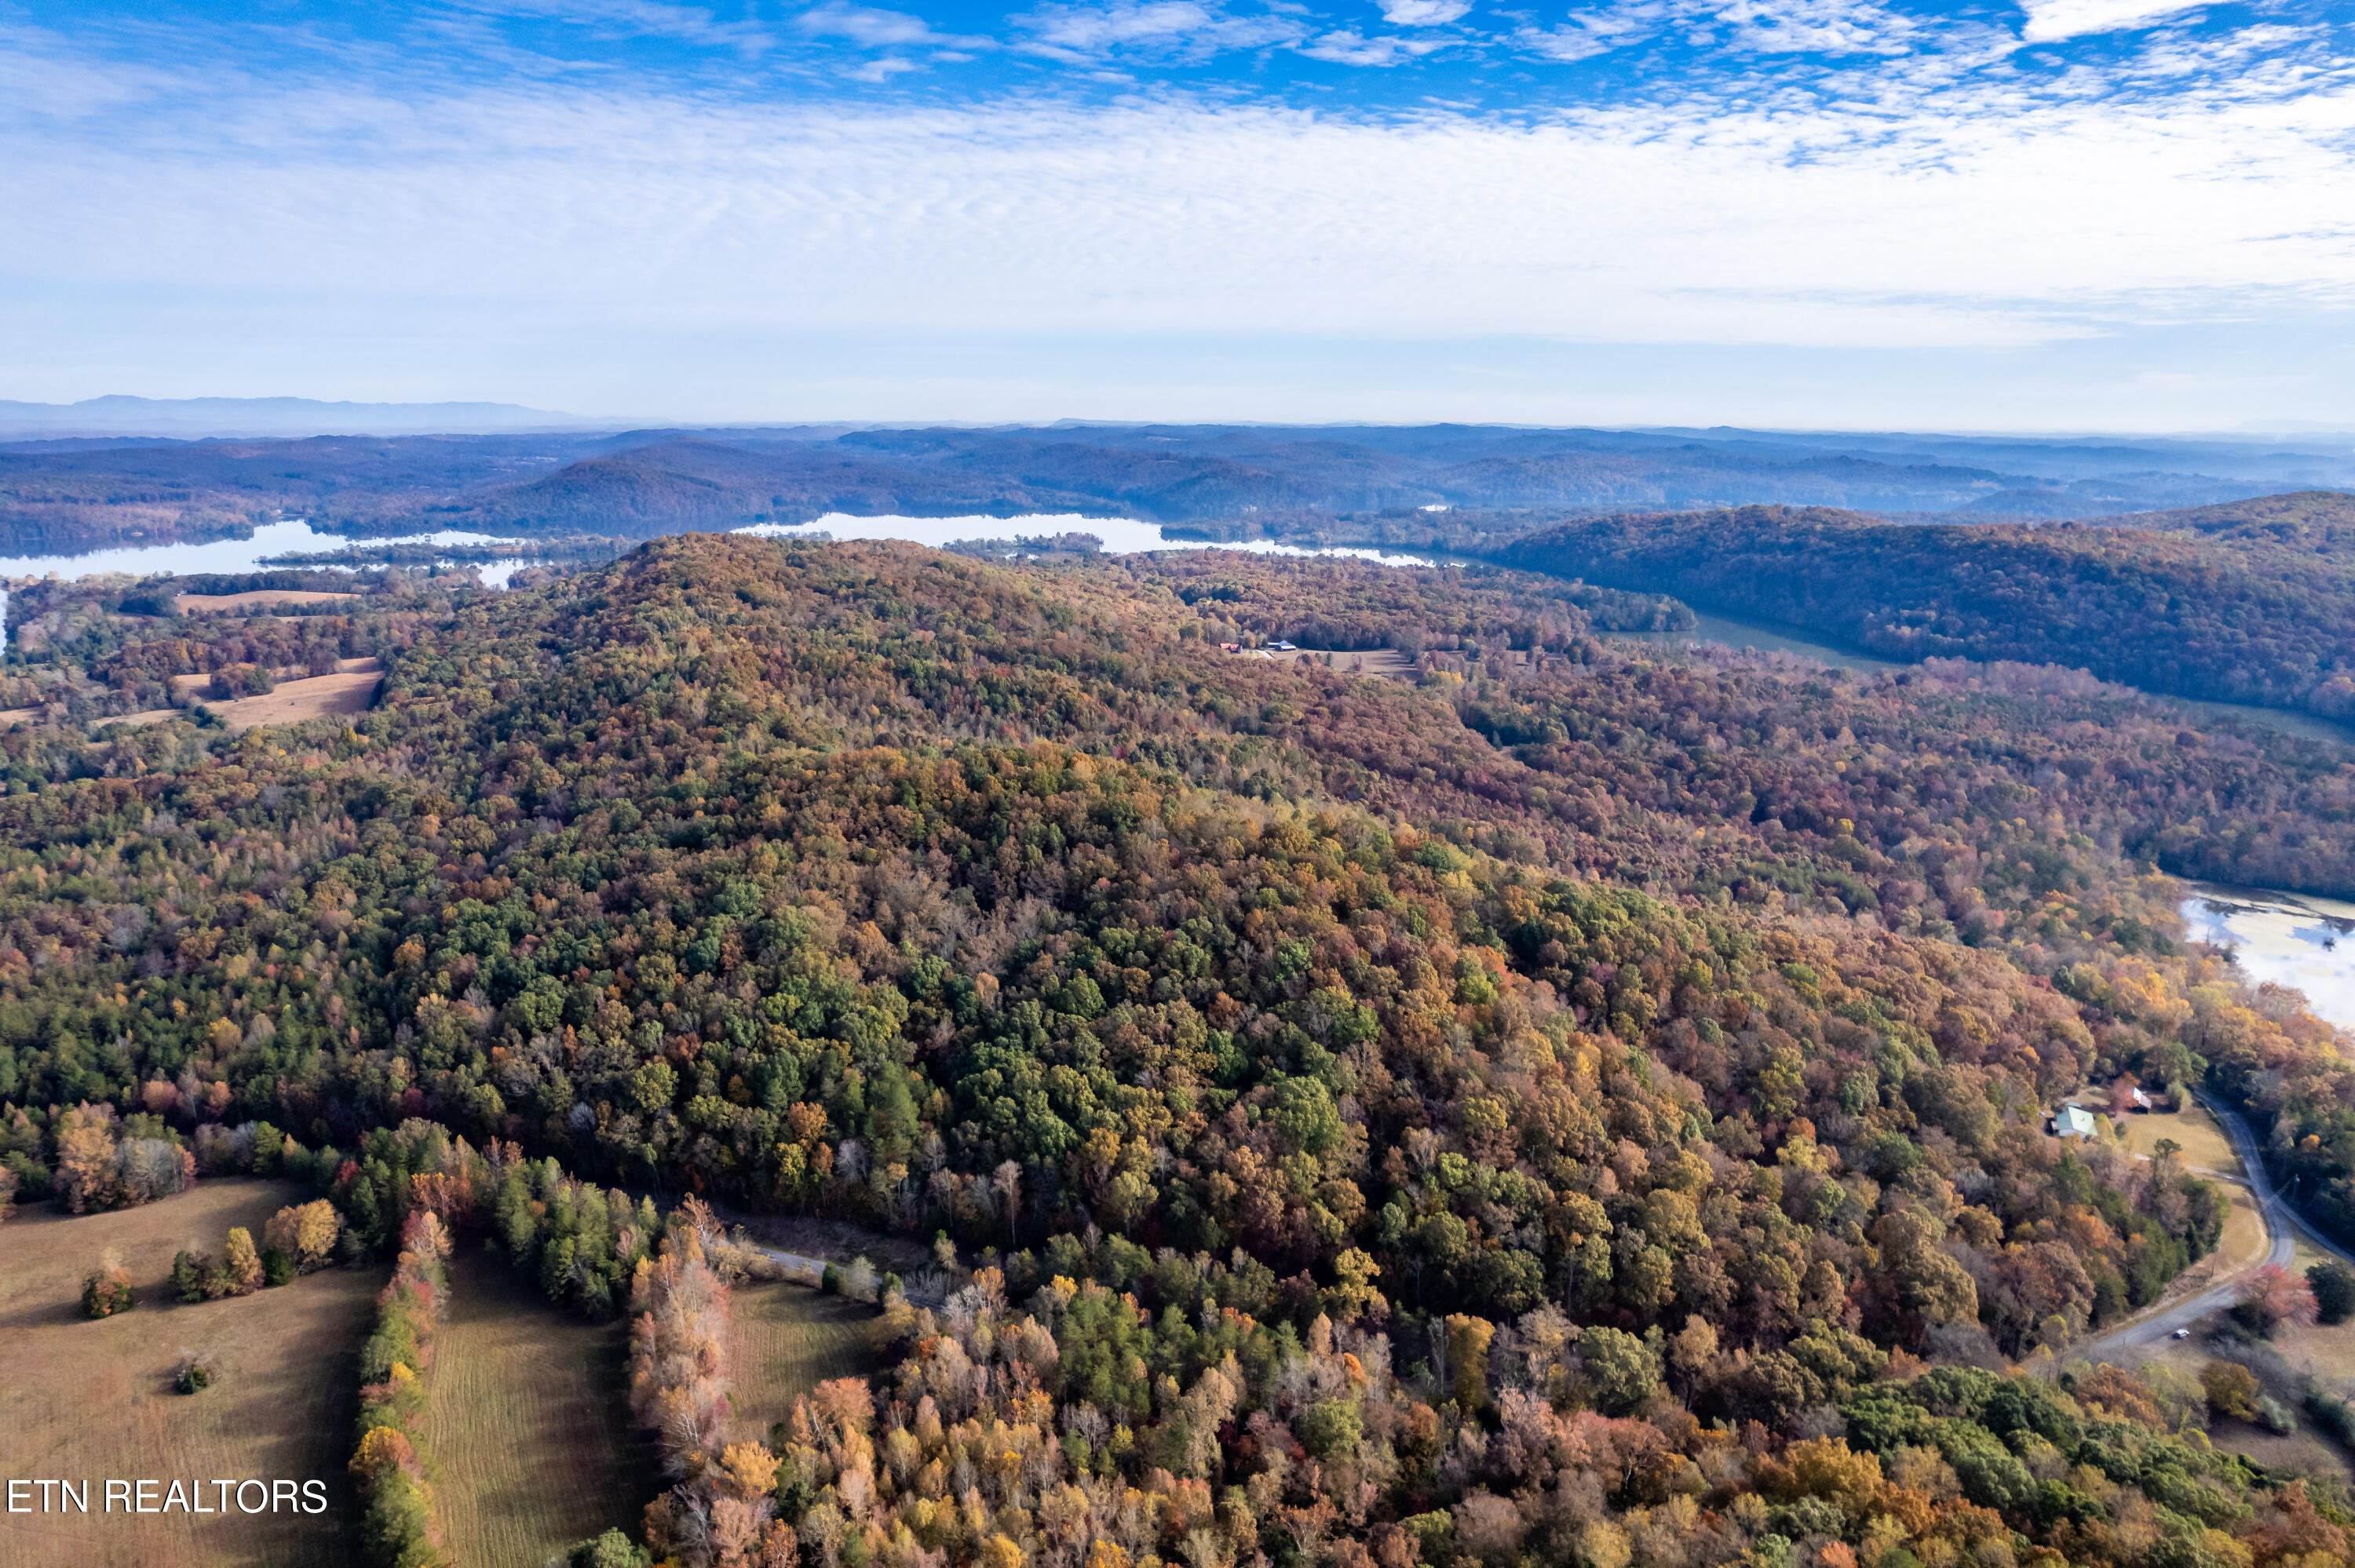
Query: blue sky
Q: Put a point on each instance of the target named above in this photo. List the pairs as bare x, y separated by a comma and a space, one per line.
2078, 214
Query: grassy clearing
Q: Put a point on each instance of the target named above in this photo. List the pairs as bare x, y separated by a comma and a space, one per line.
2304, 1253
787, 1339
1387, 663
2326, 1352
2305, 1450
95, 1400
2204, 1145
344, 695
530, 1426
2245, 1240
195, 603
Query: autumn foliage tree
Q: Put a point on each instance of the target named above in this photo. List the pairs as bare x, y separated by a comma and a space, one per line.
107, 1290
241, 1263
397, 1529
304, 1234
2271, 1296
719, 1511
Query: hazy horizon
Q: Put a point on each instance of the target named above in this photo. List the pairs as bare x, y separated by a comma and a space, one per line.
177, 417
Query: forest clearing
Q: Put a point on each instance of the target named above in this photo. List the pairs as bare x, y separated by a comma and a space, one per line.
93, 1400
2295, 1349
785, 1341
2205, 1148
344, 695
530, 1421
194, 603
1387, 663
347, 694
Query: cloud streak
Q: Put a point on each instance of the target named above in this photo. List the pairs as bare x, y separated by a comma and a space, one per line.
1936, 222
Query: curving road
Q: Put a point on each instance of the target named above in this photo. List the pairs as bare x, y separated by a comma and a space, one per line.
2282, 1223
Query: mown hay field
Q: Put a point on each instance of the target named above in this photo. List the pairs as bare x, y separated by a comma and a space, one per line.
529, 1431
786, 1340
195, 603
83, 1400
2204, 1145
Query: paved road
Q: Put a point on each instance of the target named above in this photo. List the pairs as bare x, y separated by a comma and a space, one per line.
2282, 1223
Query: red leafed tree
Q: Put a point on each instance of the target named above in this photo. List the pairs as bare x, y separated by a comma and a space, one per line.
2272, 1297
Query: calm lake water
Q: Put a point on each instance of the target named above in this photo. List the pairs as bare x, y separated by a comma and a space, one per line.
288, 537
1120, 535
2294, 939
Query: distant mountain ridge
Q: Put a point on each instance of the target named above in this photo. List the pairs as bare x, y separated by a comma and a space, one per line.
118, 414
656, 481
64, 491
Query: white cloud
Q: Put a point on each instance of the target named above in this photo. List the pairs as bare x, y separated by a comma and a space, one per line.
1422, 13
2050, 21
1833, 27
1589, 33
1348, 48
874, 27
641, 18
1164, 27
1815, 27
1690, 223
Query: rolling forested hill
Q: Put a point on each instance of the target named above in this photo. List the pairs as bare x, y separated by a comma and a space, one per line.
2322, 521
2234, 611
1554, 1104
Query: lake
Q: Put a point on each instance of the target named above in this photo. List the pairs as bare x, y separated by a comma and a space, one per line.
1120, 535
287, 537
2294, 939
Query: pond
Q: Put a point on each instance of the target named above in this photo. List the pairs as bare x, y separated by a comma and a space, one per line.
2295, 939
